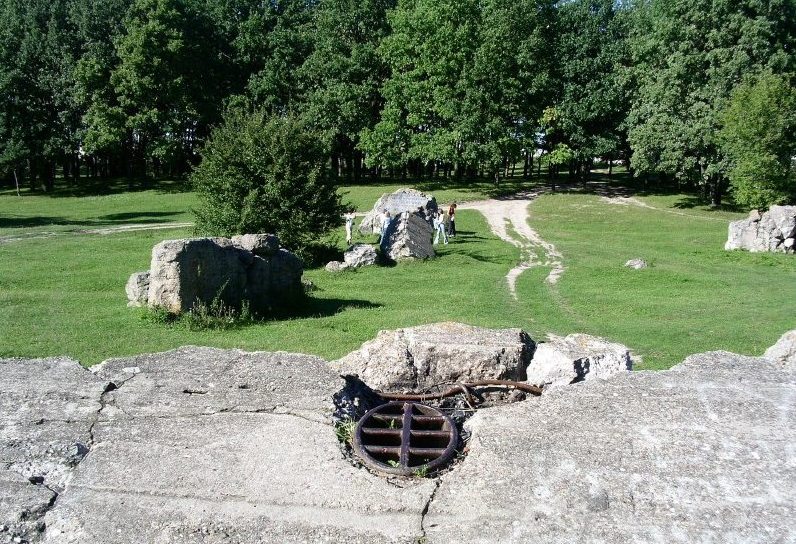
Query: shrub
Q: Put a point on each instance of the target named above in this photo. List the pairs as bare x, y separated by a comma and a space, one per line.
758, 137
264, 173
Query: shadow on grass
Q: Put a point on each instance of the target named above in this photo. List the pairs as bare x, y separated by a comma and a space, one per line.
313, 307
102, 221
140, 217
102, 187
690, 202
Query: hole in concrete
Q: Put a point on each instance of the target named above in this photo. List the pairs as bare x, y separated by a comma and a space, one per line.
405, 438
365, 417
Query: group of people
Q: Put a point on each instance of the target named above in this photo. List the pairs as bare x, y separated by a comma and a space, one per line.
439, 224
439, 221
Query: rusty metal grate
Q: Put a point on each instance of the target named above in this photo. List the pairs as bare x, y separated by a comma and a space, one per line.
405, 438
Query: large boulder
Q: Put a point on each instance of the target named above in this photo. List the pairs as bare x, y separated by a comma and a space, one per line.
249, 269
360, 255
137, 289
402, 200
262, 245
408, 237
774, 230
420, 357
784, 351
577, 357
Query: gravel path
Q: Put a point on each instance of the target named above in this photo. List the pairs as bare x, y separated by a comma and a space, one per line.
101, 231
508, 220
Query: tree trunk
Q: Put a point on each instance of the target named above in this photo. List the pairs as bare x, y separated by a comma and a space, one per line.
16, 181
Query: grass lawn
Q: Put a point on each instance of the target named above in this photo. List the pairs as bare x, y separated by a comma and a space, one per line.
693, 297
64, 295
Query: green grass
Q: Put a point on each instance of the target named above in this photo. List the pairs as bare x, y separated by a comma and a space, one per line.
64, 295
694, 296
108, 205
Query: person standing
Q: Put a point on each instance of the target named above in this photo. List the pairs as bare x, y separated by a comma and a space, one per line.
439, 227
385, 224
349, 225
452, 220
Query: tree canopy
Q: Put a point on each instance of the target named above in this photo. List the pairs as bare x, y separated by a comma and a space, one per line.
403, 87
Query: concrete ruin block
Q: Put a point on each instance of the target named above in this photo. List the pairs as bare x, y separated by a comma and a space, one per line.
262, 245
419, 357
577, 357
197, 270
402, 200
784, 351
770, 231
409, 237
137, 289
360, 255
636, 264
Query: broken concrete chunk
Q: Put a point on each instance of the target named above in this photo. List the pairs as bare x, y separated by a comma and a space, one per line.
419, 357
398, 202
577, 357
784, 351
137, 289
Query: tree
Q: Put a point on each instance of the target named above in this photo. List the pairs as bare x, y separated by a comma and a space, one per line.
466, 82
344, 73
98, 25
266, 173
171, 79
274, 40
758, 137
38, 120
688, 55
592, 96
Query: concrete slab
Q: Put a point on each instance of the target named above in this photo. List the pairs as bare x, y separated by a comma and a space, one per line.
705, 452
47, 410
201, 445
206, 445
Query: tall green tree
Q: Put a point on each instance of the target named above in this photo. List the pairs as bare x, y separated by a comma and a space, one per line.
466, 82
758, 138
172, 77
98, 25
274, 40
688, 56
38, 119
343, 74
592, 95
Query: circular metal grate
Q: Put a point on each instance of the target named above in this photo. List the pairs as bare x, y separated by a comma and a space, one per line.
405, 437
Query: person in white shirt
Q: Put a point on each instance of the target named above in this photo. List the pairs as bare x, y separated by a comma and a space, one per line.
385, 224
349, 225
439, 227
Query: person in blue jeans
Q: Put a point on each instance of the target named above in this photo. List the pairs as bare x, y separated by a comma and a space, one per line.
439, 227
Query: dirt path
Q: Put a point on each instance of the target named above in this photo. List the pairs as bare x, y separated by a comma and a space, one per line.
100, 231
508, 220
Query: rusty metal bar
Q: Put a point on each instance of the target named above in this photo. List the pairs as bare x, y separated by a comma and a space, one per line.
406, 434
462, 388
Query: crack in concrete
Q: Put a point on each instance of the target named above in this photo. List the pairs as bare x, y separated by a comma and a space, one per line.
423, 539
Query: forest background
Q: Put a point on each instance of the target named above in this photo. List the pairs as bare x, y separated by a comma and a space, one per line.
697, 93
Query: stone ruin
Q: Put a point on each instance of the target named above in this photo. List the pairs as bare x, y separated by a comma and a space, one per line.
250, 268
408, 235
398, 202
200, 445
774, 230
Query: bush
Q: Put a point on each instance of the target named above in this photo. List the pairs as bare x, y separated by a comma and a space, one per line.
264, 173
758, 137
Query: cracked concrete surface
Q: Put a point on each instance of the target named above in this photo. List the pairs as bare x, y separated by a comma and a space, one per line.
203, 445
